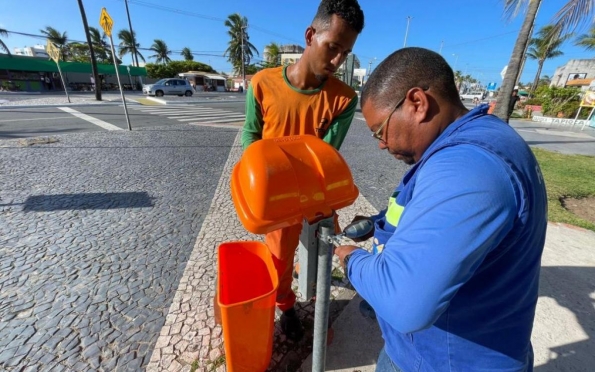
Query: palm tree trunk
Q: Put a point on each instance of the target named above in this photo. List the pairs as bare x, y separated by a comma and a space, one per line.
92, 52
538, 75
514, 64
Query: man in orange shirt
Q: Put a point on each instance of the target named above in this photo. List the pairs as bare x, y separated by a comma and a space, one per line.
304, 98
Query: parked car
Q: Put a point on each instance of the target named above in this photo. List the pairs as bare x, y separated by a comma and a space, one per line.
470, 95
179, 87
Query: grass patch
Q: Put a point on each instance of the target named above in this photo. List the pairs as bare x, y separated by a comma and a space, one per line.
194, 366
566, 176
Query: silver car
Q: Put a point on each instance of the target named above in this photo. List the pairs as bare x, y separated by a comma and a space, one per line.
179, 87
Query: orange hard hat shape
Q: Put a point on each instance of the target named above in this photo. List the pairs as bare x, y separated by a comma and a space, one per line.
278, 182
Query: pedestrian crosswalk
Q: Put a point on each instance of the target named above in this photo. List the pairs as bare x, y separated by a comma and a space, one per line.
193, 114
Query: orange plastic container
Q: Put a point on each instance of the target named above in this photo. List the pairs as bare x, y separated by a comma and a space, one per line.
246, 291
280, 181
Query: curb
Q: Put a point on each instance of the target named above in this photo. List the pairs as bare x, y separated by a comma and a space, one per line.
104, 103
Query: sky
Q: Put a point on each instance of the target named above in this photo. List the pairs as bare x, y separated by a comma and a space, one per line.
474, 36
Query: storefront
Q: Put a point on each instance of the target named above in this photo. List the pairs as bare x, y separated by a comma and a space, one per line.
31, 74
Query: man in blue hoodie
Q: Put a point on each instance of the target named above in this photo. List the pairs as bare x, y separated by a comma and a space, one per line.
455, 283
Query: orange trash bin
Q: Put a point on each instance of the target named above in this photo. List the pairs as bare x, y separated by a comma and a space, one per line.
246, 291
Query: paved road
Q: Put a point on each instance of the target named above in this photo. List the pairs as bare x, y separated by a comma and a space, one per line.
20, 122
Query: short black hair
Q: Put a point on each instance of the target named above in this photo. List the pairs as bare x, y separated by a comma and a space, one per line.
408, 68
349, 10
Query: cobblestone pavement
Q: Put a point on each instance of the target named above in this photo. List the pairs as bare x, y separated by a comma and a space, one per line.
190, 333
95, 232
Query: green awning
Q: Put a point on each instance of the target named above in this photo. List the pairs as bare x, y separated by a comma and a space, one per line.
24, 63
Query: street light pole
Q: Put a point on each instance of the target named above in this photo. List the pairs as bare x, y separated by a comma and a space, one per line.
407, 31
441, 45
456, 60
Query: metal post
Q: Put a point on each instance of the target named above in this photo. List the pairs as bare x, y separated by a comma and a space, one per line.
134, 53
308, 258
111, 40
407, 31
441, 45
62, 78
323, 291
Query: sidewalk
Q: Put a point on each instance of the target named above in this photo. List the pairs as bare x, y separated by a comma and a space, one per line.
564, 328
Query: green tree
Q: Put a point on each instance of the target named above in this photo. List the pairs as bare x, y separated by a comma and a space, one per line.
587, 40
571, 15
100, 46
543, 47
59, 39
187, 54
161, 51
3, 46
238, 38
172, 68
272, 55
127, 46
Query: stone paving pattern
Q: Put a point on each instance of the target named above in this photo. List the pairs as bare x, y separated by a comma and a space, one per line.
95, 232
190, 333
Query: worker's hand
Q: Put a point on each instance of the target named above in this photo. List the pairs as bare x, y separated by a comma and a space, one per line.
362, 238
342, 251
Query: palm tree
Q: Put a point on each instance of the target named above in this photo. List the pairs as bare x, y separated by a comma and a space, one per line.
3, 46
127, 46
587, 40
161, 51
272, 54
187, 54
545, 46
59, 39
570, 16
238, 38
100, 45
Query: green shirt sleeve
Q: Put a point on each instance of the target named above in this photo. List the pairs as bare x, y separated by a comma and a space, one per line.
338, 129
252, 130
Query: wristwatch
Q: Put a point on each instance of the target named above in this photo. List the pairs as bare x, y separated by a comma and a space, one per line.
346, 264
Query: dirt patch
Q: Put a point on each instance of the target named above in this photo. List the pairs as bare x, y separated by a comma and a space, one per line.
584, 208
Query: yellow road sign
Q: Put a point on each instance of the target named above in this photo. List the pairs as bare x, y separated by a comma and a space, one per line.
53, 51
106, 22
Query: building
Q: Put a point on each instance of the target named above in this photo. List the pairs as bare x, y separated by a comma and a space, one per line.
576, 72
34, 51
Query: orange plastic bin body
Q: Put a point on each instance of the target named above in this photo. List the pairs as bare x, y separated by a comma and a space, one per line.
279, 182
247, 287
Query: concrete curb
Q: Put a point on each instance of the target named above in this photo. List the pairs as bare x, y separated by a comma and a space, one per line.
103, 103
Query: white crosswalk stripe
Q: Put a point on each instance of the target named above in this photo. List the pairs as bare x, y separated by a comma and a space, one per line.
193, 115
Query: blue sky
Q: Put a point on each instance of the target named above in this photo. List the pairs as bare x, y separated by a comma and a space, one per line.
476, 37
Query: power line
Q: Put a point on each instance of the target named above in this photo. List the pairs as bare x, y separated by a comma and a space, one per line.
204, 16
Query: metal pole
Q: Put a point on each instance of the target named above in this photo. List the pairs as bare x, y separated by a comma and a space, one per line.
134, 55
323, 291
407, 31
62, 78
243, 69
441, 45
111, 40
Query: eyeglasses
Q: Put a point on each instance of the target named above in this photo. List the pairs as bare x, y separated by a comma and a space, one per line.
379, 134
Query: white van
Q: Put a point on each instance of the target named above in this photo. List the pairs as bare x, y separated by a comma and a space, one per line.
471, 95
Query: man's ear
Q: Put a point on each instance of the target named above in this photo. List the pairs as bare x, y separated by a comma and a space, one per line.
310, 31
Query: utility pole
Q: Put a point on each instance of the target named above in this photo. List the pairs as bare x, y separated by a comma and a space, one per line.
92, 52
134, 52
407, 31
243, 68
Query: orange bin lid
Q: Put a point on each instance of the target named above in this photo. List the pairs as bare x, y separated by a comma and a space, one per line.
278, 182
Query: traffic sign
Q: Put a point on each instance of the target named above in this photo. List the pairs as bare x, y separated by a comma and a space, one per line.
106, 22
53, 51
491, 87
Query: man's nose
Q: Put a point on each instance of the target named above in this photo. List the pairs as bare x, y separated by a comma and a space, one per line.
382, 145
